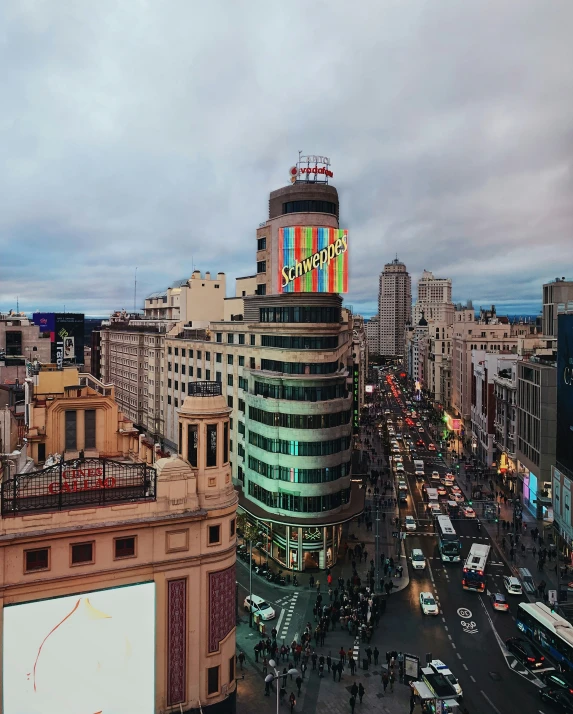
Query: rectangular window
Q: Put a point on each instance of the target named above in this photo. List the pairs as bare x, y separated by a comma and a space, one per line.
38, 559
71, 435
212, 680
218, 357
252, 362
182, 369
198, 354
230, 359
90, 429
199, 372
261, 266
169, 349
176, 402
82, 553
168, 399
192, 437
169, 383
241, 361
226, 442
176, 368
231, 669
169, 366
252, 340
230, 338
229, 380
219, 337
183, 352
261, 243
190, 370
241, 338
177, 351
241, 405
230, 401
211, 444
124, 547
176, 385
207, 356
218, 377
208, 375
233, 527
214, 535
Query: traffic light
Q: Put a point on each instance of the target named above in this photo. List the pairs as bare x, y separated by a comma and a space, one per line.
470, 502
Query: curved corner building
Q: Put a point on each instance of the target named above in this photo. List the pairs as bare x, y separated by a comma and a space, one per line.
296, 476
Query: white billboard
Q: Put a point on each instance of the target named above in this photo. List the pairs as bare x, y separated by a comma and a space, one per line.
81, 654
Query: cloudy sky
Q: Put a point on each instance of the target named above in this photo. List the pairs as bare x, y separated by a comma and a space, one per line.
149, 134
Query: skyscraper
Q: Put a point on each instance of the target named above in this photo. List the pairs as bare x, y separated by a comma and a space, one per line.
394, 307
434, 299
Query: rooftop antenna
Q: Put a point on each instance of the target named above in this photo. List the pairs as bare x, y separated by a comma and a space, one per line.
17, 304
135, 290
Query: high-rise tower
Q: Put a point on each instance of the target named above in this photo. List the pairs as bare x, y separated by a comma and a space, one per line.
394, 307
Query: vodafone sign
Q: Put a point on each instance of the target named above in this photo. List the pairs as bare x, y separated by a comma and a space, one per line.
311, 169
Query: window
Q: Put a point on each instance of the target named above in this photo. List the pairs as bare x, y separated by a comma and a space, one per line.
252, 340
252, 362
124, 547
233, 527
219, 337
192, 437
231, 669
261, 289
261, 266
261, 244
190, 371
169, 366
176, 385
230, 401
169, 349
71, 436
241, 338
241, 405
182, 369
229, 380
198, 354
230, 359
168, 399
244, 384
38, 559
211, 445
218, 377
212, 680
207, 356
230, 338
177, 351
169, 383
90, 429
82, 553
176, 400
214, 535
309, 206
218, 357
176, 368
198, 372
226, 442
208, 375
241, 361
183, 352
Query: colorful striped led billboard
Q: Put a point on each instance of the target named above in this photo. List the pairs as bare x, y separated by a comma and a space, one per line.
313, 260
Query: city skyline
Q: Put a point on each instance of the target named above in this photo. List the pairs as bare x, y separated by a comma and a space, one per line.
114, 150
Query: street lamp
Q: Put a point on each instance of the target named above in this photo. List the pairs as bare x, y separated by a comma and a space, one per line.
269, 678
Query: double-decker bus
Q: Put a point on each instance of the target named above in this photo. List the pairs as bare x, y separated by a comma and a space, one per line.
448, 541
474, 568
548, 630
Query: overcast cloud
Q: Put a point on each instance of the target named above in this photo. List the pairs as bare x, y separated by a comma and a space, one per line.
149, 134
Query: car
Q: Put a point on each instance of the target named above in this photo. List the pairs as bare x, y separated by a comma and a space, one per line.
386, 411
395, 449
457, 497
435, 476
498, 602
431, 447
526, 652
440, 668
559, 680
442, 491
512, 585
400, 468
420, 442
562, 701
468, 512
456, 489
410, 523
418, 423
428, 604
402, 486
259, 607
421, 429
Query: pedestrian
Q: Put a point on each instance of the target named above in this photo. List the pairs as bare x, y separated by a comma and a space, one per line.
241, 658
329, 662
340, 668
256, 648
292, 702
354, 689
412, 703
361, 692
314, 658
282, 693
285, 673
303, 669
265, 663
298, 681
352, 702
352, 663
392, 680
376, 655
384, 680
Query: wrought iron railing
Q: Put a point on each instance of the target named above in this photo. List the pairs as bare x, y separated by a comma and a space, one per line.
77, 484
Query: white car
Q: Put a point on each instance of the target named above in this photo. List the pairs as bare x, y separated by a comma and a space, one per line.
435, 476
468, 512
410, 523
457, 489
440, 668
428, 604
421, 430
417, 559
402, 486
400, 468
259, 607
512, 585
386, 411
457, 497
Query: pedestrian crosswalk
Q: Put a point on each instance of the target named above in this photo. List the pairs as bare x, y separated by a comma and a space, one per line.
289, 604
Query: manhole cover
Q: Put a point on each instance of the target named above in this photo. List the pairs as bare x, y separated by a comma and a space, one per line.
495, 676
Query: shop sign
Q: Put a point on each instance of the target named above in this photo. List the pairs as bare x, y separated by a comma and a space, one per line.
355, 407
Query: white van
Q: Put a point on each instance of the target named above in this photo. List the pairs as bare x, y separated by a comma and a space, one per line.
417, 559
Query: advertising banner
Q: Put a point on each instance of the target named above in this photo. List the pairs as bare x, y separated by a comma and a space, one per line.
564, 445
91, 652
69, 348
312, 259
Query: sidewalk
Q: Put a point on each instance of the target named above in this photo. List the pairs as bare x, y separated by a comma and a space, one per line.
323, 696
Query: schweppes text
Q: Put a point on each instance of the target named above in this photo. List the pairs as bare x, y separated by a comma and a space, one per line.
317, 260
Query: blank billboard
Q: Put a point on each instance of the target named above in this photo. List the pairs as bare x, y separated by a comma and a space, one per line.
81, 654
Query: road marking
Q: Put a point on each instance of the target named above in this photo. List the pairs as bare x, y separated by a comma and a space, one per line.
443, 620
459, 655
464, 665
464, 612
472, 678
488, 700
453, 646
445, 626
280, 619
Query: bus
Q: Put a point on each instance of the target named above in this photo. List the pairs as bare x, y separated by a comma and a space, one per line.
548, 630
474, 568
448, 541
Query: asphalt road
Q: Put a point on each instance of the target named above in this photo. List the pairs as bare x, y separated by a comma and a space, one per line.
467, 635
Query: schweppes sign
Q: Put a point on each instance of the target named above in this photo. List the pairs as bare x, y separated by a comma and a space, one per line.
313, 259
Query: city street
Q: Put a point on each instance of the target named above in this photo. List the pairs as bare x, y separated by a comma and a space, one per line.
468, 635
